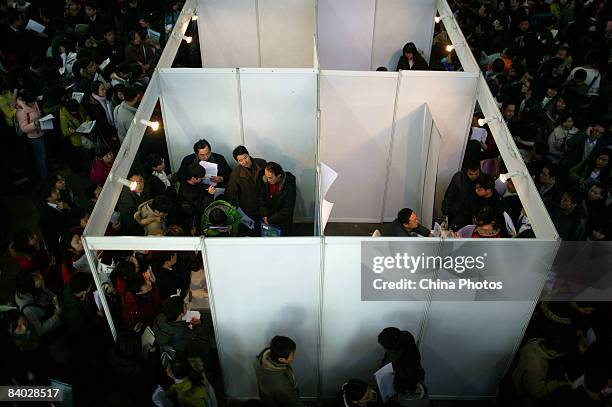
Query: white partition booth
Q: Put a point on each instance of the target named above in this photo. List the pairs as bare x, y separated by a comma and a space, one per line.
395, 140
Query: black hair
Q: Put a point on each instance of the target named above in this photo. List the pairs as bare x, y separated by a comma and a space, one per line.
28, 96
180, 368
472, 165
162, 203
195, 262
275, 168
123, 270
575, 195
154, 159
80, 282
173, 307
507, 103
281, 347
403, 216
130, 92
354, 390
132, 36
487, 183
240, 150
133, 172
24, 282
382, 69
95, 87
485, 216
73, 106
553, 170
217, 217
75, 216
162, 256
195, 170
498, 65
46, 189
92, 3
391, 338
102, 150
106, 29
200, 144
600, 185
580, 74
128, 344
21, 240
134, 282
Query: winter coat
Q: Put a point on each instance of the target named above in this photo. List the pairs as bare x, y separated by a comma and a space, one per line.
557, 142
396, 229
69, 121
276, 382
233, 218
243, 186
80, 319
530, 378
53, 223
39, 311
26, 116
279, 208
142, 53
124, 115
189, 394
103, 126
197, 342
144, 217
133, 375
127, 206
458, 198
99, 172
137, 308
223, 169
570, 226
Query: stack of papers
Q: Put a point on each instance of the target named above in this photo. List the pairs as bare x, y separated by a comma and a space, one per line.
34, 26
211, 171
189, 315
86, 127
154, 36
104, 64
46, 123
78, 96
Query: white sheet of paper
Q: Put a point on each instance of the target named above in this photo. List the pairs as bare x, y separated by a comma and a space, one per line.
189, 315
328, 176
46, 123
245, 219
384, 380
45, 118
147, 337
509, 225
96, 297
500, 187
78, 96
326, 209
86, 127
211, 170
437, 230
218, 191
478, 134
34, 26
104, 64
82, 265
153, 35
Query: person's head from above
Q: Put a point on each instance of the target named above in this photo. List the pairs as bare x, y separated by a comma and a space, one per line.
539, 150
202, 150
145, 21
570, 199
174, 308
28, 97
282, 350
195, 174
407, 218
25, 240
526, 87
596, 132
17, 324
196, 264
597, 192
410, 51
560, 104
486, 222
131, 94
16, 19
580, 76
124, 71
523, 23
242, 156
91, 9
217, 217
273, 173
49, 193
485, 188
98, 89
81, 285
498, 66
156, 162
74, 8
106, 155
562, 52
508, 110
552, 90
29, 282
567, 121
548, 175
78, 218
382, 69
72, 242
73, 106
356, 392
179, 370
109, 34
472, 170
165, 258
90, 67
134, 38
391, 338
58, 181
136, 176
161, 205
119, 91
497, 25
137, 284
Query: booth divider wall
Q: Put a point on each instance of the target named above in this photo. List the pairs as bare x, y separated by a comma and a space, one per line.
256, 33
365, 34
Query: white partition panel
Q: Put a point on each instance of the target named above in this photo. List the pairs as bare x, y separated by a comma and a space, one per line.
345, 32
279, 109
356, 121
398, 22
228, 33
273, 289
286, 32
468, 345
408, 162
431, 174
200, 103
450, 97
350, 327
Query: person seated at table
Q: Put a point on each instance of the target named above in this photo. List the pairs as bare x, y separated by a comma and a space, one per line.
193, 195
220, 218
202, 151
406, 225
151, 215
277, 197
488, 224
411, 59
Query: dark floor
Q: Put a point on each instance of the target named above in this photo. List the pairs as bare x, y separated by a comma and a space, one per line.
351, 229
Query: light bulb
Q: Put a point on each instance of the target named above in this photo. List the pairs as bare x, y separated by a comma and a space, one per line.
153, 125
194, 17
437, 19
132, 185
449, 48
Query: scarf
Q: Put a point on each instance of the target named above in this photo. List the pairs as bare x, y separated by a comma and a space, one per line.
107, 108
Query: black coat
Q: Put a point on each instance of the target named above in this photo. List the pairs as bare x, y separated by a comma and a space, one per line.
396, 229
243, 186
103, 127
419, 64
458, 199
223, 169
279, 208
127, 206
53, 223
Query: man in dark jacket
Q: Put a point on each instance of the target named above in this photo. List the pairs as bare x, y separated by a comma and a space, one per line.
583, 144
569, 216
277, 197
244, 182
406, 225
203, 152
401, 345
458, 197
275, 379
550, 190
193, 195
129, 202
53, 219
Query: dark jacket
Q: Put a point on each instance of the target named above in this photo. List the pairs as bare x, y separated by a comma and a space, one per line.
576, 145
458, 199
127, 206
279, 208
404, 65
193, 199
193, 342
168, 281
142, 53
82, 323
552, 196
571, 227
409, 354
138, 308
395, 228
53, 223
276, 382
243, 186
133, 375
223, 169
103, 127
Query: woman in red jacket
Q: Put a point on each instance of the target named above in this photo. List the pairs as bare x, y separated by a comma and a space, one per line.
141, 300
101, 166
73, 250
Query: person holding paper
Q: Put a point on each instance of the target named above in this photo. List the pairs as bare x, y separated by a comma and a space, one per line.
129, 202
202, 151
101, 110
28, 117
140, 53
244, 182
193, 195
141, 300
111, 47
277, 195
72, 115
158, 180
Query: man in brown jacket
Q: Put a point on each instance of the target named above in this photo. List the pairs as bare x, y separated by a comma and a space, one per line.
244, 181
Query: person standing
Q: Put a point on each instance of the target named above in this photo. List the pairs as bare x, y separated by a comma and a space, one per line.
28, 118
244, 181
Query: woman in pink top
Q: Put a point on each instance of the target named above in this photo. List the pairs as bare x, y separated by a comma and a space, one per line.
28, 115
